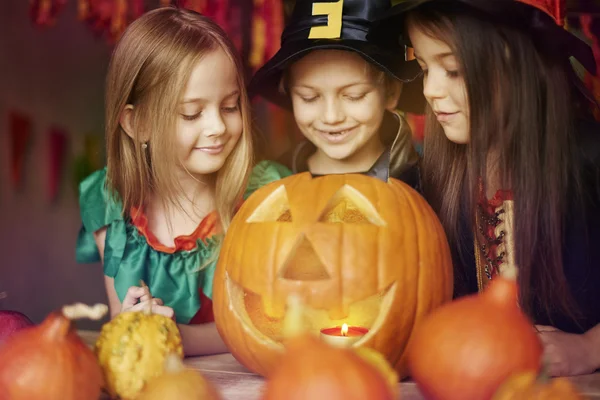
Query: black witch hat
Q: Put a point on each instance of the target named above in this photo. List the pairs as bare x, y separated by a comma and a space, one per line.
341, 25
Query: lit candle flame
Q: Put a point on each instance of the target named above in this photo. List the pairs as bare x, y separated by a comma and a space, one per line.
344, 329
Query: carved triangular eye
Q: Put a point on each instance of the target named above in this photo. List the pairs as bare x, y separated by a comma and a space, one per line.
303, 263
349, 206
275, 208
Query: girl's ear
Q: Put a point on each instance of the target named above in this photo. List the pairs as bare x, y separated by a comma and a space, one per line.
393, 90
126, 121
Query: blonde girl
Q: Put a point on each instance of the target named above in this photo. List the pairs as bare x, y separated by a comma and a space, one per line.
179, 156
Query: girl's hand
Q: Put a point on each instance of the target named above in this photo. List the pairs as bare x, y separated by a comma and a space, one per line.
139, 298
135, 295
567, 354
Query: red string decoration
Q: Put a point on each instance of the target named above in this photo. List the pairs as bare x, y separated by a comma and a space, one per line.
44, 12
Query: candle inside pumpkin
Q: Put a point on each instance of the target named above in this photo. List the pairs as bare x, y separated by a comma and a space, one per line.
343, 336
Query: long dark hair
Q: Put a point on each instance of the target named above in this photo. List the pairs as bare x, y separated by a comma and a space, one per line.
522, 106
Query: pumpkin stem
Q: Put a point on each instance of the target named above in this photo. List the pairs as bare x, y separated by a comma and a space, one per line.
58, 324
173, 363
293, 322
79, 310
148, 308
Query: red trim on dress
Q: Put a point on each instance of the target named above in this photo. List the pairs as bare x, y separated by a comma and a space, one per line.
208, 227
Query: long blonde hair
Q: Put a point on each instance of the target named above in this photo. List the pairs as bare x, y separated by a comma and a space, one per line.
149, 69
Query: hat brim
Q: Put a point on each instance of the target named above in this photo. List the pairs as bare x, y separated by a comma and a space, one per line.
266, 81
392, 23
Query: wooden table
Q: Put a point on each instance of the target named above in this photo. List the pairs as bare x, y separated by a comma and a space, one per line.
235, 382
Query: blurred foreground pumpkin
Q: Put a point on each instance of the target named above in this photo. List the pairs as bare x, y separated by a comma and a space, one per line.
466, 349
311, 369
132, 349
531, 386
50, 361
179, 383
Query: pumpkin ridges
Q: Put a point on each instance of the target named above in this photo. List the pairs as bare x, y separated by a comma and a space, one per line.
465, 349
128, 364
342, 274
433, 225
221, 298
370, 272
400, 361
41, 365
295, 206
312, 370
401, 313
85, 359
246, 351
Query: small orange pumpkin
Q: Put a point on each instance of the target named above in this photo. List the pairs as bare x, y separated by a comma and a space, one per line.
179, 382
50, 361
466, 349
312, 369
531, 386
356, 249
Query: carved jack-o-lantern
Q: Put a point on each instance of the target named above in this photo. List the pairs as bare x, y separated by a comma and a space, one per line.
357, 250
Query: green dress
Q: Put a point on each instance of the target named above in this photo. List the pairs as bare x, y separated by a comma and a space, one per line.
181, 275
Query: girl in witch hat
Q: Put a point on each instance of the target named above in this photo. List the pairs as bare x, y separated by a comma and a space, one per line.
343, 90
512, 158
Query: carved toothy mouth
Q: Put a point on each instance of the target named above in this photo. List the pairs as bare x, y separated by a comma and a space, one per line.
370, 313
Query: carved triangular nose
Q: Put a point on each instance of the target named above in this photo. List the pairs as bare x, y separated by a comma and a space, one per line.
303, 264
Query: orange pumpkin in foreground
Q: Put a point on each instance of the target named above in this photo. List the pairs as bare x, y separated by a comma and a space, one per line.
531, 386
50, 361
178, 382
312, 369
466, 349
357, 250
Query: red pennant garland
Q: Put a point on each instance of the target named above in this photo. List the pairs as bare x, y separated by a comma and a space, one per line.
214, 9
256, 58
109, 17
136, 8
199, 6
20, 133
220, 13
267, 26
44, 12
235, 31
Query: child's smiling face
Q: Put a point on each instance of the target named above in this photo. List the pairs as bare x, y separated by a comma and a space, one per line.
209, 121
338, 102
